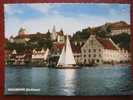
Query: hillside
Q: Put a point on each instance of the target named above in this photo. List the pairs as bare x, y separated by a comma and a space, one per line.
104, 31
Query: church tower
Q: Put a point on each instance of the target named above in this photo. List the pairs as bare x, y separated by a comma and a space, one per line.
53, 35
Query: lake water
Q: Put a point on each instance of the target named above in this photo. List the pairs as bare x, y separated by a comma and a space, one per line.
107, 80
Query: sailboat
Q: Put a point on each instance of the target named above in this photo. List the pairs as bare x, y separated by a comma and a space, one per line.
66, 59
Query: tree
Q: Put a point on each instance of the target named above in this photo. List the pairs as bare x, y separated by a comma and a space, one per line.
49, 41
123, 40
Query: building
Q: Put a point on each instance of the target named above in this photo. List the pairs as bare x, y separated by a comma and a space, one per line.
76, 48
98, 50
21, 38
18, 58
120, 27
60, 37
39, 56
119, 30
22, 32
57, 36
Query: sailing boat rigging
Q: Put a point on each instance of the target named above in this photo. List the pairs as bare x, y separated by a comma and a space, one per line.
66, 59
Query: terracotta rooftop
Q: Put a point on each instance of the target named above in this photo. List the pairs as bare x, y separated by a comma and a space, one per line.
75, 48
106, 43
58, 45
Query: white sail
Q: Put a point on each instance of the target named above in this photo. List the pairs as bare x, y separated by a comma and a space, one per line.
66, 57
69, 58
46, 54
62, 57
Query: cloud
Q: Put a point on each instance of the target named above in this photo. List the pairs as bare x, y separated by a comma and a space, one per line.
12, 11
70, 24
42, 7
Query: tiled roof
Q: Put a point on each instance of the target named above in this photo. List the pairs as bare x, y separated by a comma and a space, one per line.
76, 48
58, 45
121, 27
106, 43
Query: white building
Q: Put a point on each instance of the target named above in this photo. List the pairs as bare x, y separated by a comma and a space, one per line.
53, 35
119, 30
98, 50
118, 27
58, 36
41, 55
21, 38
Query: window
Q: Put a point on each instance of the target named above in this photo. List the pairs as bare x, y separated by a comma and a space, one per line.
94, 55
85, 61
93, 61
94, 50
89, 50
89, 55
91, 41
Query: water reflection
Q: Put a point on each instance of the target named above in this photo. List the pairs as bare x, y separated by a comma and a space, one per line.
15, 77
64, 80
70, 82
40, 79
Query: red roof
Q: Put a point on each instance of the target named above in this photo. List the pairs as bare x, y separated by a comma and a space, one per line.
76, 48
106, 43
58, 45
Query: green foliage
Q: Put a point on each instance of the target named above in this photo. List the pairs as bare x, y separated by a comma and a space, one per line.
123, 40
81, 35
49, 41
108, 29
9, 45
37, 41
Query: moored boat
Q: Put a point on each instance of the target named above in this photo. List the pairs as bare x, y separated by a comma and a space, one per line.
66, 59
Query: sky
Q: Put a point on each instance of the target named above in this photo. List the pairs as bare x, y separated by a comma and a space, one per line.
70, 17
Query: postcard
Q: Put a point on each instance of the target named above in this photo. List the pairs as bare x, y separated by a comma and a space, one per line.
67, 49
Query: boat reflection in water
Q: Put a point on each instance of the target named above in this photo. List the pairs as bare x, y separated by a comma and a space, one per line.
70, 82
69, 77
65, 81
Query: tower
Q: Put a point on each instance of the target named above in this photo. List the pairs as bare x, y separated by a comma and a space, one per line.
53, 35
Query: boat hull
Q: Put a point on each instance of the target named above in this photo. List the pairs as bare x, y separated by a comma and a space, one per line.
67, 67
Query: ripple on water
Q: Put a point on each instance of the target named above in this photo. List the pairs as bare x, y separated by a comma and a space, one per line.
100, 80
